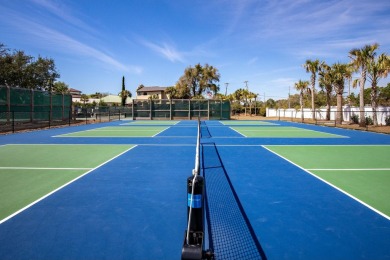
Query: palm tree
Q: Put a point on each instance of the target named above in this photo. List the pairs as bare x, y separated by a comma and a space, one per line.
84, 98
377, 69
312, 66
325, 82
250, 96
60, 87
360, 58
302, 87
240, 96
340, 73
124, 94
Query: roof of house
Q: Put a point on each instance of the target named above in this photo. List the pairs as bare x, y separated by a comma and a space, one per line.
72, 90
114, 99
151, 89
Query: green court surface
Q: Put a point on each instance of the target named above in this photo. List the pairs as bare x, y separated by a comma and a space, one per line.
29, 172
281, 132
361, 171
152, 122
119, 131
243, 122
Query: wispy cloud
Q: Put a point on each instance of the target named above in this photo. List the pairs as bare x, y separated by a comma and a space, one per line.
60, 42
64, 13
314, 18
165, 50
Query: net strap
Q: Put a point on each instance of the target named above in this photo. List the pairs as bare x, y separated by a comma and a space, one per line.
195, 172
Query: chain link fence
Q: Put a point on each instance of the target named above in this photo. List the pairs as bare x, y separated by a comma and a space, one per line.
25, 109
22, 109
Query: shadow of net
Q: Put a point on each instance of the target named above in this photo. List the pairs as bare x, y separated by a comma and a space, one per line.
230, 233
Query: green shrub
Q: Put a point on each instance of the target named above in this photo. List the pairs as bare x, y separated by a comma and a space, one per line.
263, 112
387, 120
355, 119
369, 121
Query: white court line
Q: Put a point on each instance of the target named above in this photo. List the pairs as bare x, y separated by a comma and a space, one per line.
330, 184
366, 169
63, 186
105, 136
160, 132
41, 168
273, 130
121, 130
330, 145
237, 131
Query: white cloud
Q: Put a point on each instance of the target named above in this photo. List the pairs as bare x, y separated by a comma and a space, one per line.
165, 50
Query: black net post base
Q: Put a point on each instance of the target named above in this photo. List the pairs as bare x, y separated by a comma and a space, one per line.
194, 248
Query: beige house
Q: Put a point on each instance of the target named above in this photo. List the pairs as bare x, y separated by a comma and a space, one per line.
113, 100
110, 100
151, 92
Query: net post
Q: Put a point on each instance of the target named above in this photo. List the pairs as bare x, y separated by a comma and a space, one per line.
194, 235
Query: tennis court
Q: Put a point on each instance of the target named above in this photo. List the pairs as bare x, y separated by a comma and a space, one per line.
275, 190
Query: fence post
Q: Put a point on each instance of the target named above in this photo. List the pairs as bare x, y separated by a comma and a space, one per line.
63, 106
49, 119
220, 113
32, 106
189, 109
8, 103
13, 121
51, 106
150, 109
132, 109
170, 108
208, 109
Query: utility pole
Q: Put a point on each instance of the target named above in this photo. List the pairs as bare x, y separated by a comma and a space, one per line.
289, 97
227, 84
246, 84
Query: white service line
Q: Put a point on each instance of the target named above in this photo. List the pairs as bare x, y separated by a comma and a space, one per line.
330, 184
61, 187
41, 168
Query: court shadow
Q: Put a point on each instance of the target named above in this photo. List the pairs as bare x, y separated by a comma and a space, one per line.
231, 235
204, 130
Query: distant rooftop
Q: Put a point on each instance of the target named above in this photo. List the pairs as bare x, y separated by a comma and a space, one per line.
151, 89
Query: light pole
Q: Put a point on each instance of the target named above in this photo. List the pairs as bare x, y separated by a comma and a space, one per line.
246, 85
227, 84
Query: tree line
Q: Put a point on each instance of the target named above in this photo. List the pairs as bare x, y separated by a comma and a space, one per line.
332, 80
18, 69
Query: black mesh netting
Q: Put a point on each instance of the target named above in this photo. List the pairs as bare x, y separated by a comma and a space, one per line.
230, 233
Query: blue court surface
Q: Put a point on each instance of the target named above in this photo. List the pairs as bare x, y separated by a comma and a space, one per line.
259, 205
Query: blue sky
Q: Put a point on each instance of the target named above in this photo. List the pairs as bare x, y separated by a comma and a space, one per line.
151, 42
